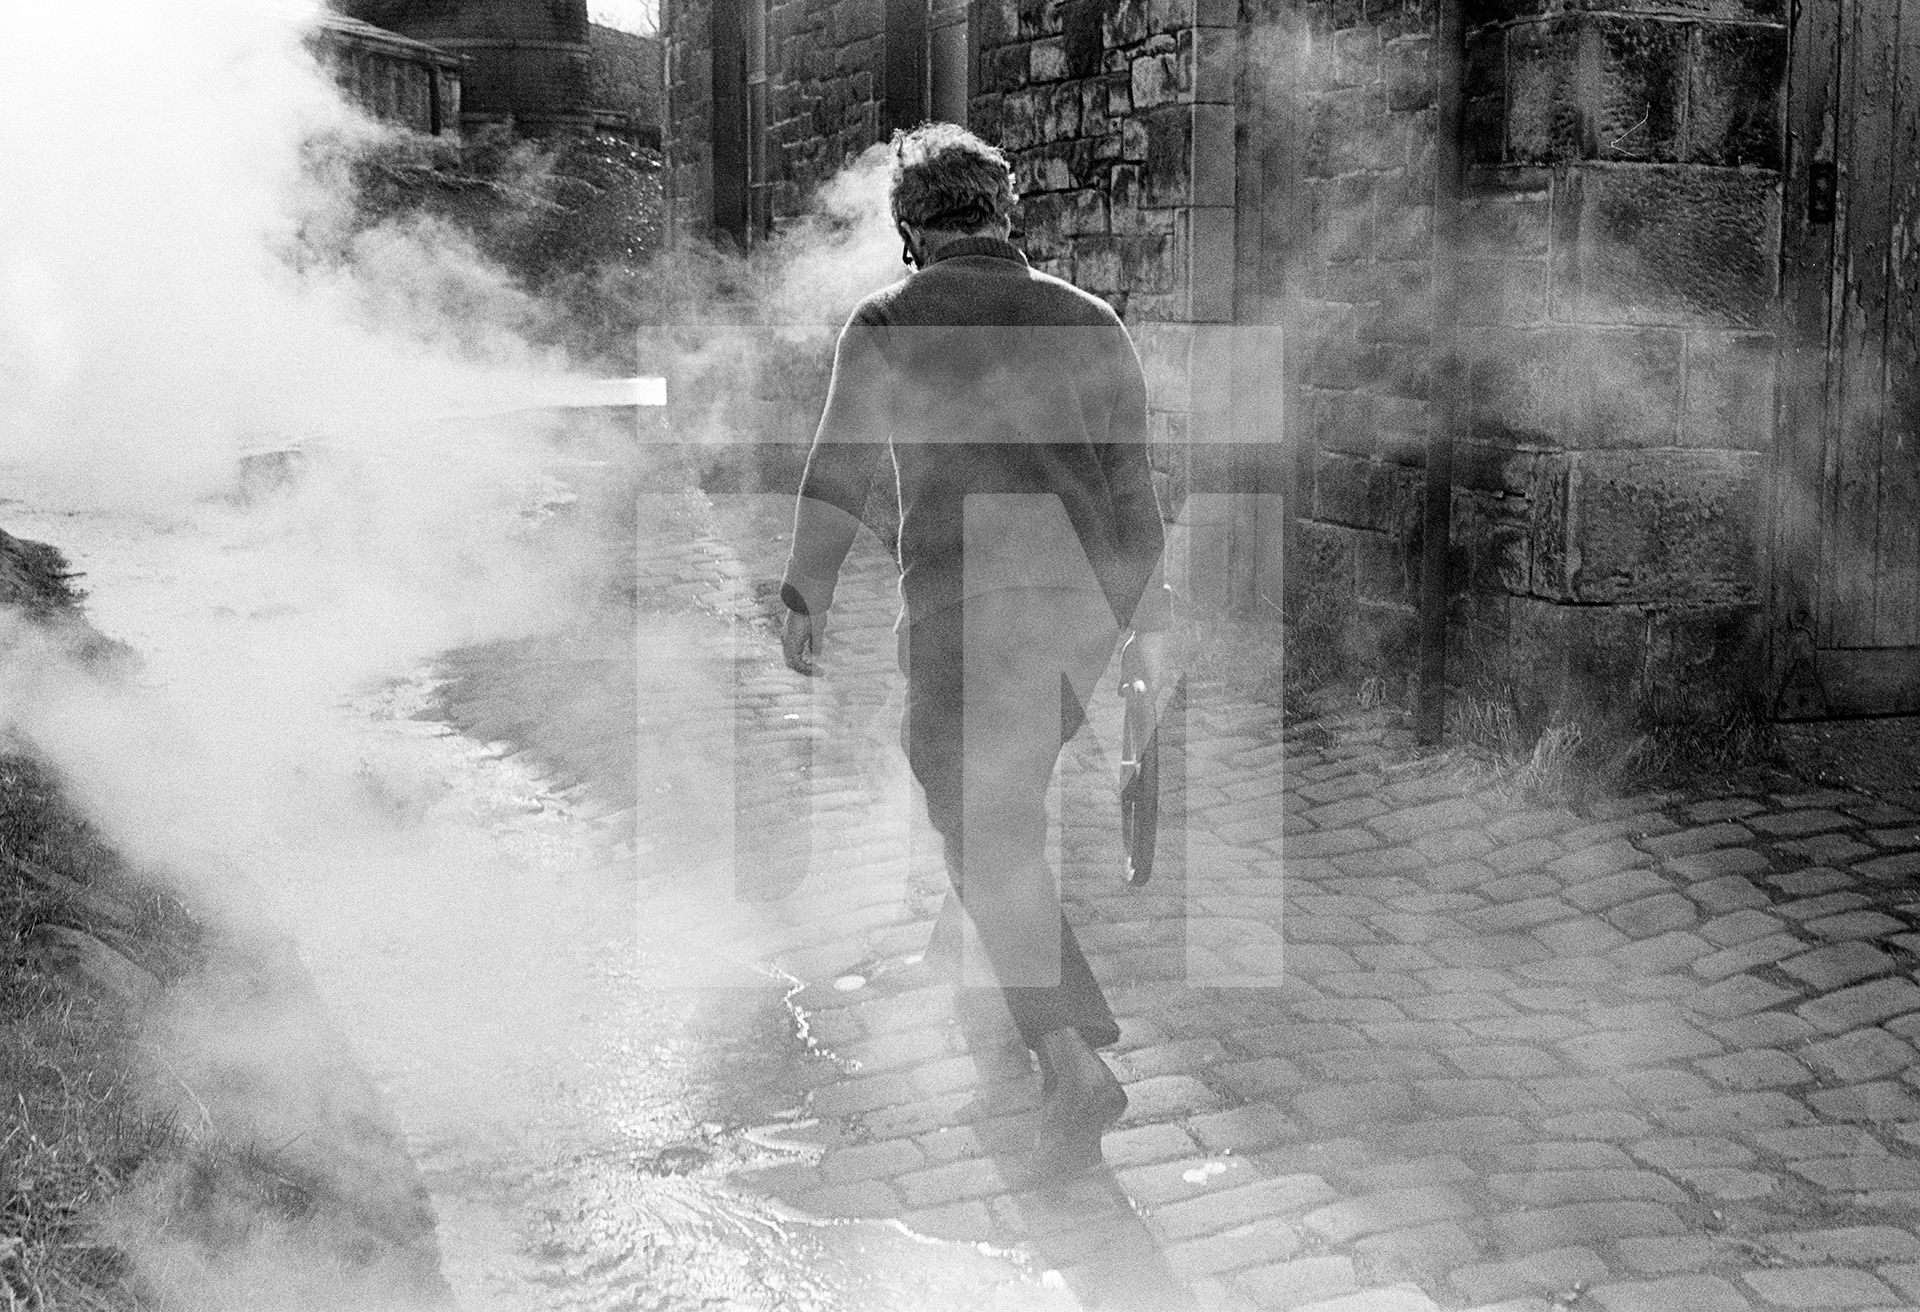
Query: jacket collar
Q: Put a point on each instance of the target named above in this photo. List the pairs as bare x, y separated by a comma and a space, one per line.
991, 246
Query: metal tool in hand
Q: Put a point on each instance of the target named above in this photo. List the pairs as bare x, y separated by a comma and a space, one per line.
1139, 784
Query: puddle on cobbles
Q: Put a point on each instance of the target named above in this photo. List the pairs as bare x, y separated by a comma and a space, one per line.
623, 1191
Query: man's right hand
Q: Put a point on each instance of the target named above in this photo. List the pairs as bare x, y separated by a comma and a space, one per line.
801, 637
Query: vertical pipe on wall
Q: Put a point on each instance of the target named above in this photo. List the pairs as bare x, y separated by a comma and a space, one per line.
727, 41
1447, 406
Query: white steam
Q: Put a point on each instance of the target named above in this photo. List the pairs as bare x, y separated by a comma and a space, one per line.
150, 326
160, 316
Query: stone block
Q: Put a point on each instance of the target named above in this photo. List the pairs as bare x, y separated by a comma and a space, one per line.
1047, 60
1864, 1054
1243, 1129
1737, 95
1863, 1004
1221, 1210
1745, 956
1399, 300
1679, 1294
1544, 121
1640, 87
1729, 391
1403, 231
1123, 23
1621, 389
1484, 111
1680, 245
1857, 1243
1880, 1101
1355, 492
1542, 1229
1669, 528
1037, 18
1080, 41
1820, 1287
1504, 217
1839, 965
1156, 80
1289, 1284
1204, 259
1407, 64
1341, 421
1236, 1249
1393, 1209
1347, 131
1653, 915
1619, 1050
1167, 175
1386, 569
1213, 56
1424, 1252
1492, 550
1515, 381
1554, 1271
1355, 56
1146, 263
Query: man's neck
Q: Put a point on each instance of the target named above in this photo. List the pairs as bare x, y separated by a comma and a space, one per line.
933, 242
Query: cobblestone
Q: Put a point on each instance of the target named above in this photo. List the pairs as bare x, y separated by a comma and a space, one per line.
1820, 1287
1555, 1271
1308, 1280
1679, 1294
1489, 1052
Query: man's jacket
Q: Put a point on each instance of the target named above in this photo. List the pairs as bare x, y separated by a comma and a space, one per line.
1015, 412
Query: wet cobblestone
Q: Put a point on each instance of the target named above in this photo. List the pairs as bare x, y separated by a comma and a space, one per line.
1393, 1039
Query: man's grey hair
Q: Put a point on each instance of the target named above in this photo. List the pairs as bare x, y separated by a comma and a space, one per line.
945, 177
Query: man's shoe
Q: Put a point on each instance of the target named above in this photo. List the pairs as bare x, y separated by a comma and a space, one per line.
1082, 1098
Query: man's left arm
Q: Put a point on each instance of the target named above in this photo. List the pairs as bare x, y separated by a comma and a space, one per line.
1139, 530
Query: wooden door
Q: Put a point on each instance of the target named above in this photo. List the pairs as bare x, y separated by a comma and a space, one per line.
1847, 586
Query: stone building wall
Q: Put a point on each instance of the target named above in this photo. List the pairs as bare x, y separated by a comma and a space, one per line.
688, 116
1217, 170
1620, 281
1356, 279
529, 64
827, 88
1625, 233
825, 100
388, 76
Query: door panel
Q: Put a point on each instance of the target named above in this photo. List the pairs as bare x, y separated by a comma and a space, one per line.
1847, 585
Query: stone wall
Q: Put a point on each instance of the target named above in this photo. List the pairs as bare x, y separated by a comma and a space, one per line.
825, 100
1355, 278
1623, 271
685, 27
389, 77
529, 64
1119, 116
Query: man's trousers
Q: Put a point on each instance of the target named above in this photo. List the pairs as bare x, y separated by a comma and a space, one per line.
995, 688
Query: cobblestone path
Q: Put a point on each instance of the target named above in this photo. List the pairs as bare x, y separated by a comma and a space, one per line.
1392, 1040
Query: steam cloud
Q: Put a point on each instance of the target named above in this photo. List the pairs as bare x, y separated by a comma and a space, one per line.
166, 306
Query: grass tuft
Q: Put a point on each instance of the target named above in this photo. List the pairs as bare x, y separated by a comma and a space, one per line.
73, 1127
1575, 760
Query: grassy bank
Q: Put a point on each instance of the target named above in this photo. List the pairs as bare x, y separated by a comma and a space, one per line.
83, 946
150, 1157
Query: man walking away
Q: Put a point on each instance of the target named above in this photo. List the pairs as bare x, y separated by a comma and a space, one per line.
1014, 409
